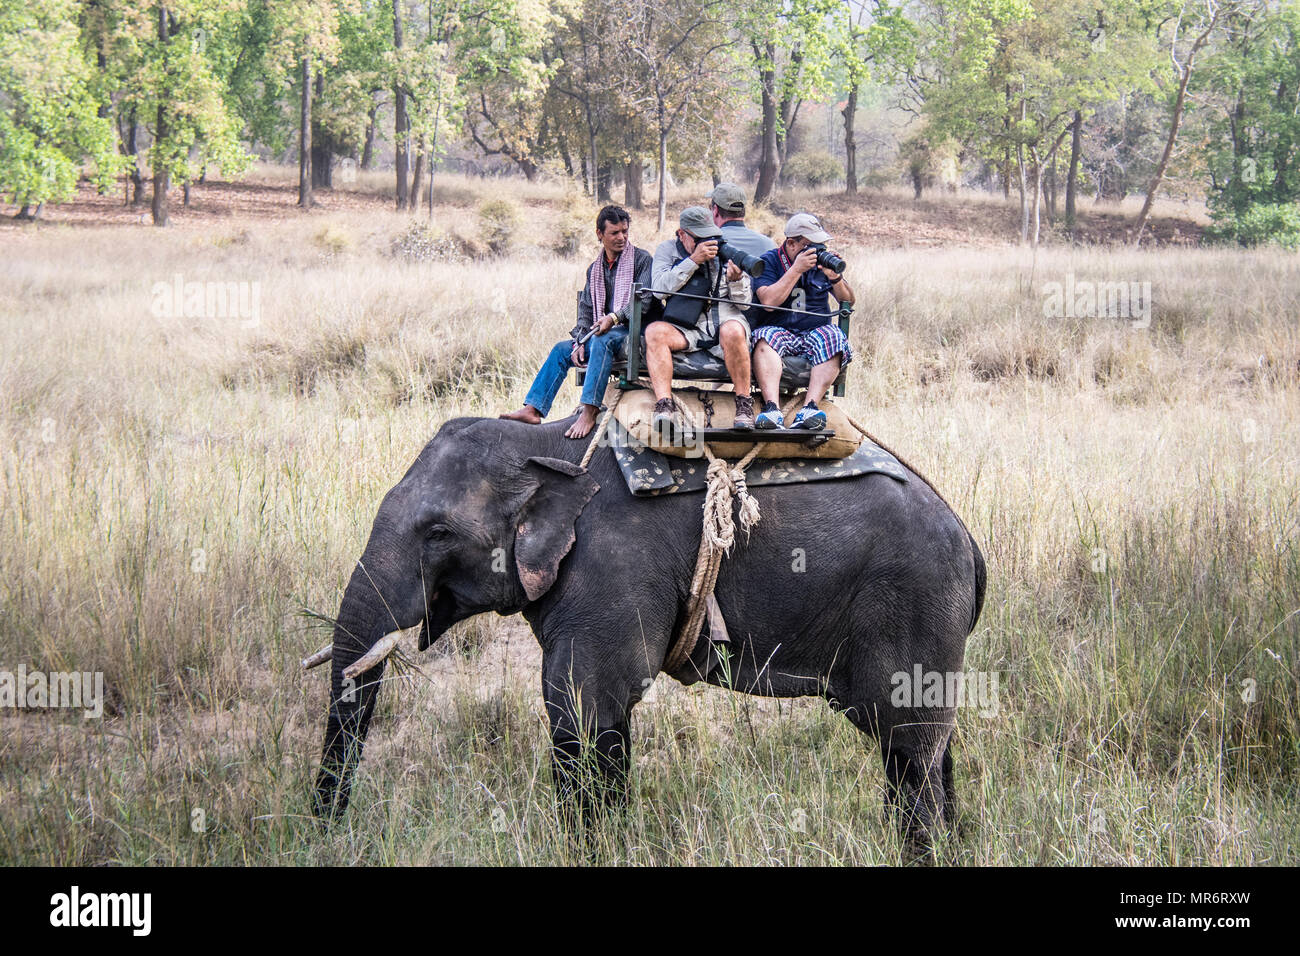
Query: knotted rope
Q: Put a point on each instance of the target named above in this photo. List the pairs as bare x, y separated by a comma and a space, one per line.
726, 483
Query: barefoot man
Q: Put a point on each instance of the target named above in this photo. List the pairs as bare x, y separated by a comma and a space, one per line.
607, 294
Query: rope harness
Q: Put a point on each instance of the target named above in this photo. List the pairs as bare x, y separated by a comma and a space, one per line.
726, 486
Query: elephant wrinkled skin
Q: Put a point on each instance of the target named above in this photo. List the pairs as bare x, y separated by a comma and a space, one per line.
841, 586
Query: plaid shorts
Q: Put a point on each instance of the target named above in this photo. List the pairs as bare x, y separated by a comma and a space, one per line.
816, 345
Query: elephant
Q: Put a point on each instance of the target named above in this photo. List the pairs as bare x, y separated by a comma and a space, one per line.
497, 515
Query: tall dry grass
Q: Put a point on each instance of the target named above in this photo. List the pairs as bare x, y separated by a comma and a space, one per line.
178, 490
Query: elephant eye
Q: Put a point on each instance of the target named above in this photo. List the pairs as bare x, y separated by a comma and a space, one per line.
438, 532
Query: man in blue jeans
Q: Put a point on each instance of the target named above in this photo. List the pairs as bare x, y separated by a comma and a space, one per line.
608, 294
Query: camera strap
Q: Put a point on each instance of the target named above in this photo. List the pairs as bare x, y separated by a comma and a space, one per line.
685, 312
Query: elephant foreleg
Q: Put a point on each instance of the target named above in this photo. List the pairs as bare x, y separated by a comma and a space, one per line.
351, 707
590, 773
589, 711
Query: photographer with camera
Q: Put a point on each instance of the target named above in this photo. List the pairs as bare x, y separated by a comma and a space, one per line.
800, 274
692, 265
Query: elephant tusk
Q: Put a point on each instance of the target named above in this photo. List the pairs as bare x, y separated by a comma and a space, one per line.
319, 658
383, 647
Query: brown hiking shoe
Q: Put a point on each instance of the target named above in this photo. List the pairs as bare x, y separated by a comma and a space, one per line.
744, 420
669, 425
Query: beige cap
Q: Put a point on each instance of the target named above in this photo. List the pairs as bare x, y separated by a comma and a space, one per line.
806, 224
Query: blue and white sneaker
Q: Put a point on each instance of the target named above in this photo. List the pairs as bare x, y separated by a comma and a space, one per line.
770, 417
810, 417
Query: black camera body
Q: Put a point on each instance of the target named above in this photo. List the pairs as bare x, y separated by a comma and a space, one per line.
829, 259
729, 253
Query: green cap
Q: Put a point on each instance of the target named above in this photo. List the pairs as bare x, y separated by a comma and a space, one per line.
698, 221
729, 198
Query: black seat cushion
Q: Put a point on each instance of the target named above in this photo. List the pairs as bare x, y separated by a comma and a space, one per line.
700, 366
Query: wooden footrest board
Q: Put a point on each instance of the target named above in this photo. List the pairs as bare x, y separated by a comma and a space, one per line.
758, 435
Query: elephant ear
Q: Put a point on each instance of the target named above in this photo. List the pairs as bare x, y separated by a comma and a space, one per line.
544, 526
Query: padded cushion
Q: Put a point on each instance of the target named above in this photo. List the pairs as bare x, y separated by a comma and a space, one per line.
718, 410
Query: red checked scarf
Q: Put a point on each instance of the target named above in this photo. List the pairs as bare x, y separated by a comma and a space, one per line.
622, 282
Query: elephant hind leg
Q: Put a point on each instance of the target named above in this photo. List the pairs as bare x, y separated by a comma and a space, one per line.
918, 771
949, 784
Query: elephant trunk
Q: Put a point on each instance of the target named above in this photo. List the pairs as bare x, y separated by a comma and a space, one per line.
363, 619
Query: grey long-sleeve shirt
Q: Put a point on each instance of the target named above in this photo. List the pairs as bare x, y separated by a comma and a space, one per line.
642, 273
670, 275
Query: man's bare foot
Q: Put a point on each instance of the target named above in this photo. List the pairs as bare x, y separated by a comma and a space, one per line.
585, 423
528, 415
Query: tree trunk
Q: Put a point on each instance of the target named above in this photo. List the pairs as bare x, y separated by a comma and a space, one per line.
417, 177
1024, 198
767, 163
161, 178
850, 144
137, 180
322, 148
789, 113
663, 179
1006, 152
1174, 123
1072, 179
593, 156
368, 150
566, 157
401, 125
1159, 176
632, 185
305, 198
604, 173
1038, 193
1050, 190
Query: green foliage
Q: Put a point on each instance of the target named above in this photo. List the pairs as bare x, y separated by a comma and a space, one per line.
172, 78
1254, 144
814, 169
49, 120
1259, 224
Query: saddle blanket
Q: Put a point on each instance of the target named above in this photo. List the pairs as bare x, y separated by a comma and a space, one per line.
649, 472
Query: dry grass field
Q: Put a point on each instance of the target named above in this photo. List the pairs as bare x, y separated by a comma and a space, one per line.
181, 490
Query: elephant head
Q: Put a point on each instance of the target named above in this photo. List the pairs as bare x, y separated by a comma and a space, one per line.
474, 525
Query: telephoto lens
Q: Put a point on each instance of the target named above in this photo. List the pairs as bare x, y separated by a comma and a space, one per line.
830, 260
747, 263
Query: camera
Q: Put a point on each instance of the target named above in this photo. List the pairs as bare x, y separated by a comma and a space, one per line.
747, 263
829, 259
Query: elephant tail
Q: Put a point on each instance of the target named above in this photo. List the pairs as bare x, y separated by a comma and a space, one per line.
981, 578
